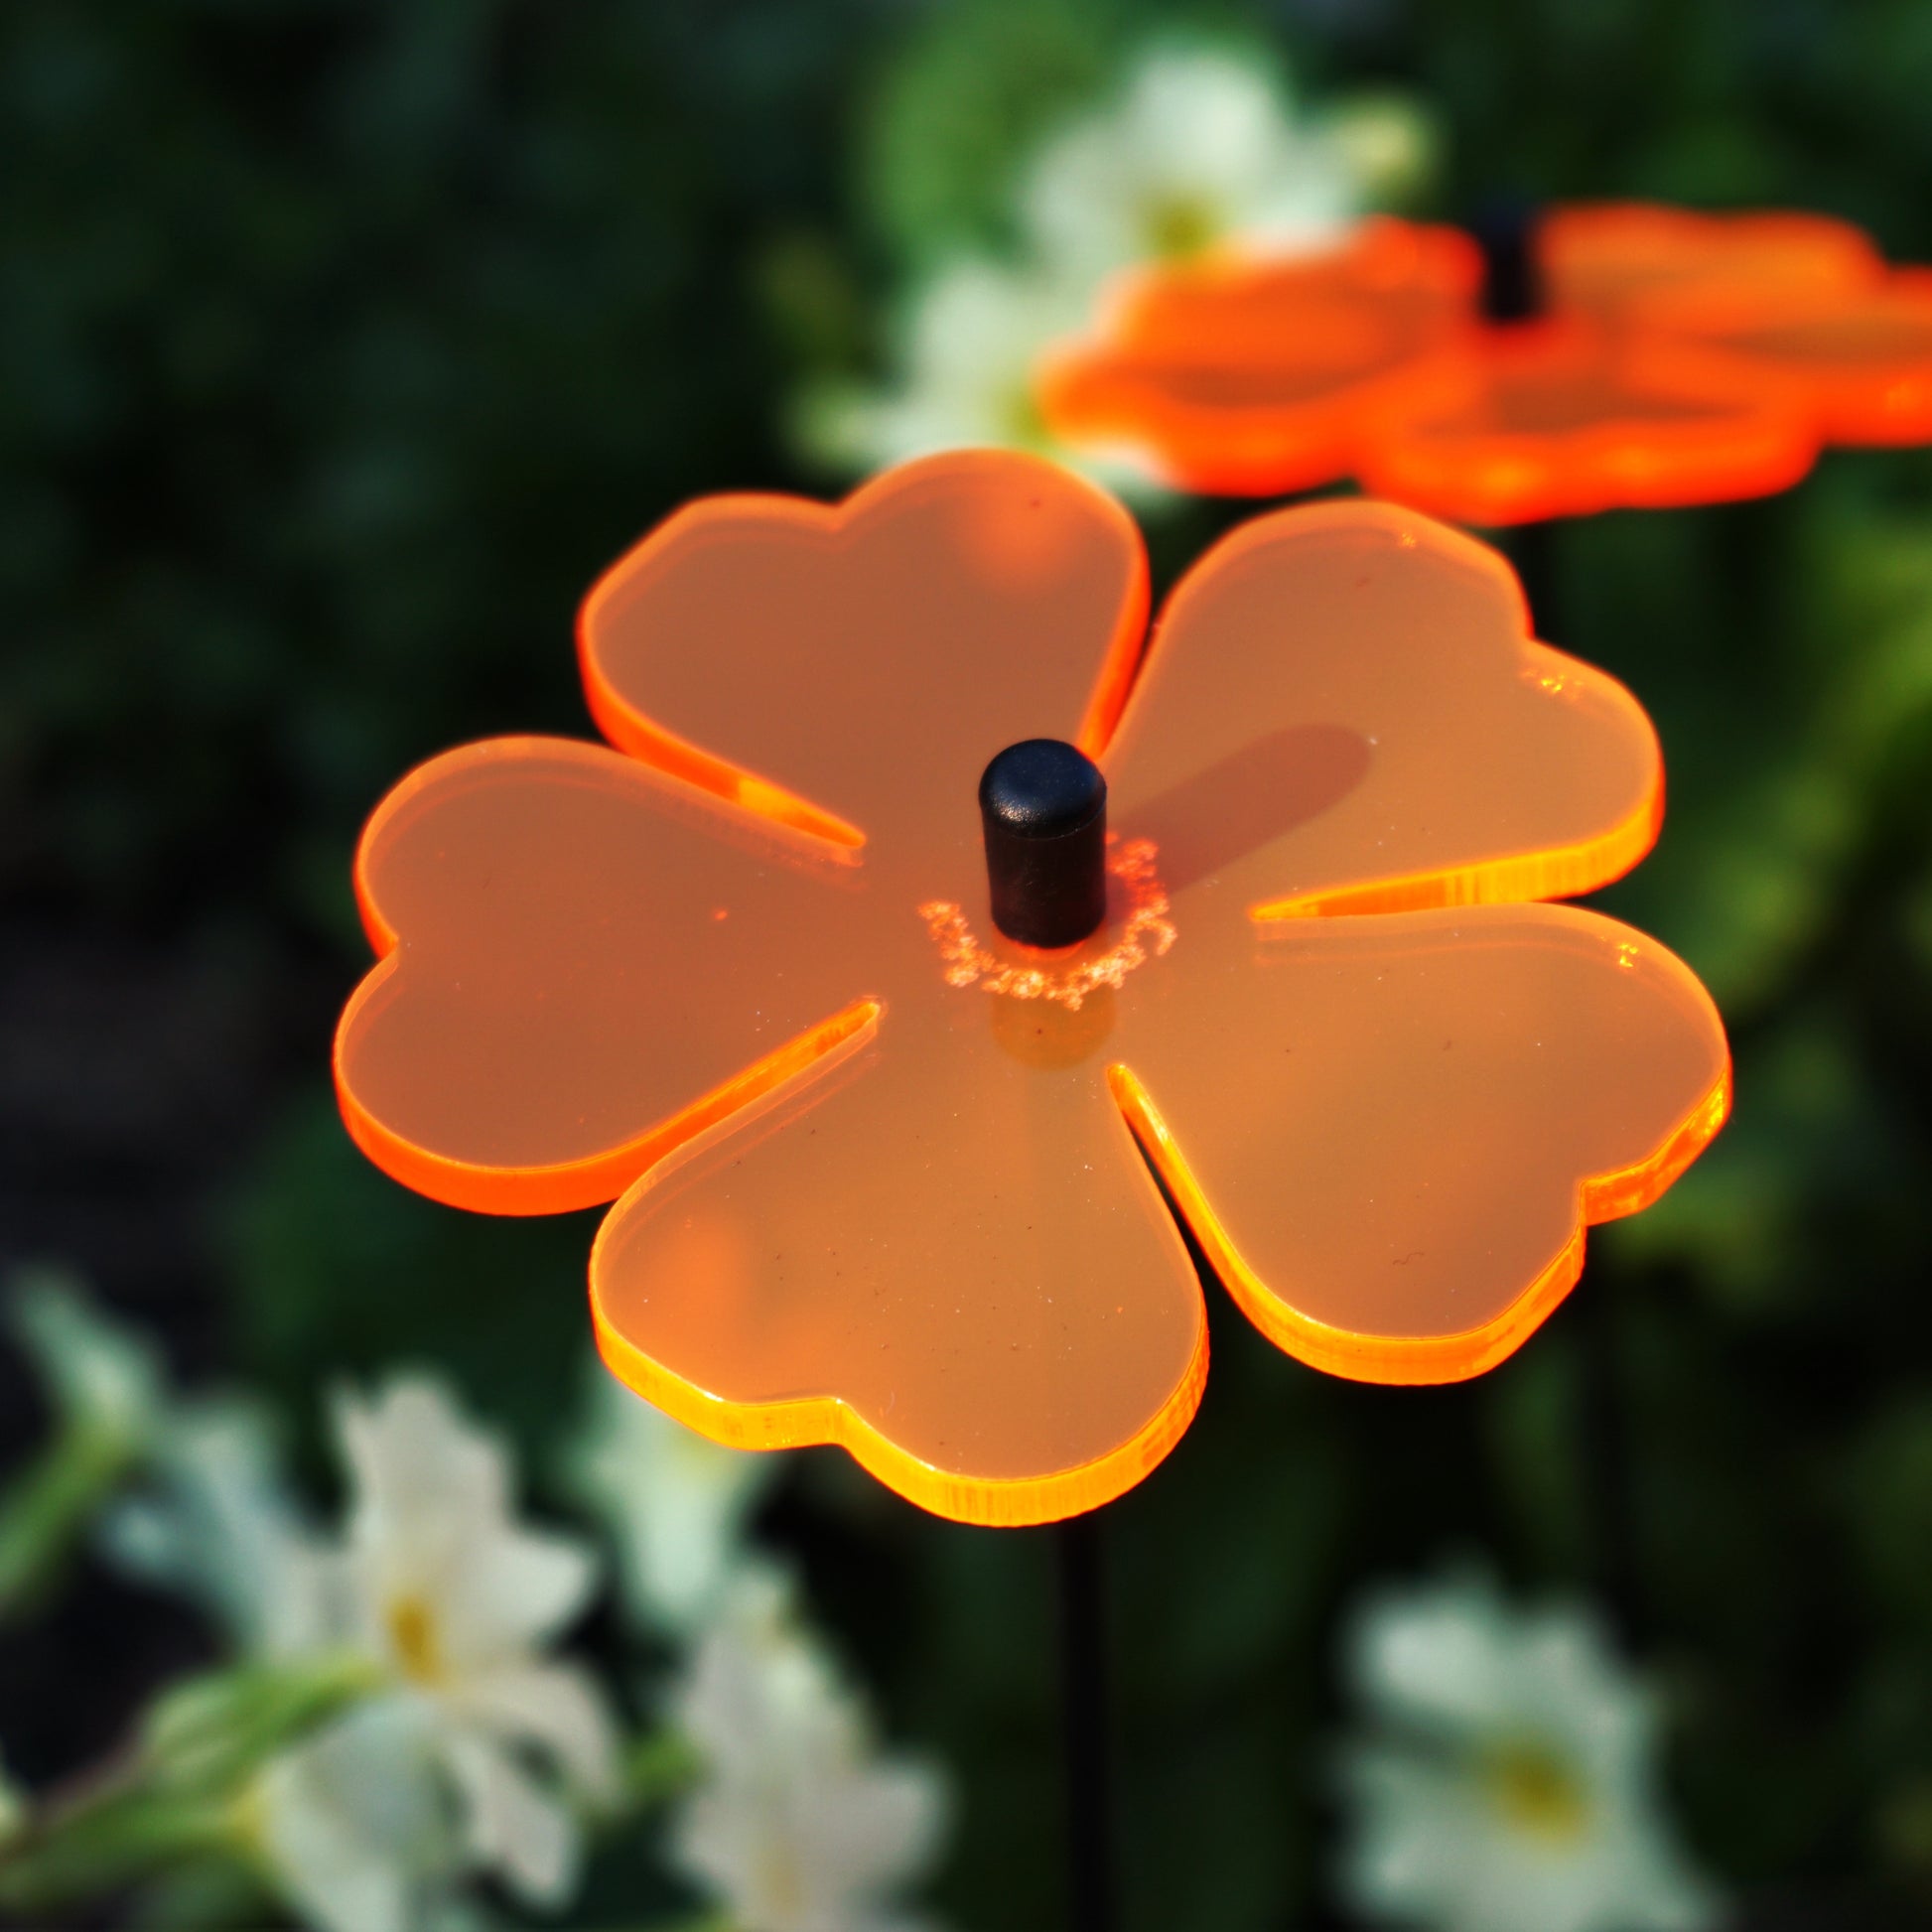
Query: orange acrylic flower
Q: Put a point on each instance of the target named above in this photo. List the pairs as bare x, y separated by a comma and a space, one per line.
883, 1178
1675, 359
1238, 376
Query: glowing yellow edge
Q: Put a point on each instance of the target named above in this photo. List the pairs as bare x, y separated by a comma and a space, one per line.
1532, 877
1411, 1359
829, 1421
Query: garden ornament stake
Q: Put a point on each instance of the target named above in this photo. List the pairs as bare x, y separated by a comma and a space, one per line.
804, 975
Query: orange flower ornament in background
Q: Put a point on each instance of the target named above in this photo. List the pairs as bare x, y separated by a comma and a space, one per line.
1672, 359
888, 1178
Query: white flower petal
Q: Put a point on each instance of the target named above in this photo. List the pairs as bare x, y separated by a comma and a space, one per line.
515, 1827
1199, 150
351, 1824
411, 1454
447, 1580
556, 1708
513, 1590
678, 1502
798, 1825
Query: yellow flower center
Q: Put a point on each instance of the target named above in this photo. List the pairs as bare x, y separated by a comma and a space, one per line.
1180, 225
1536, 1790
412, 1635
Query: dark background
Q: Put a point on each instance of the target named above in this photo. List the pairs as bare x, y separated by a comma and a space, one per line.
340, 345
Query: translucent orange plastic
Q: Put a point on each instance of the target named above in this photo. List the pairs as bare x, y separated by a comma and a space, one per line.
1684, 358
1855, 360
1605, 259
835, 666
886, 1180
1391, 1139
1241, 377
1562, 419
1344, 712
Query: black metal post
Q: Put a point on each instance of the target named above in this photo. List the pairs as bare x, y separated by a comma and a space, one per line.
1084, 1717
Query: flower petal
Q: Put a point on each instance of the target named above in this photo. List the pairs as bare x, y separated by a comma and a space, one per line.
513, 1825
852, 670
1563, 419
947, 1258
351, 1822
1245, 376
1857, 360
587, 963
1390, 1134
557, 1708
1343, 711
1606, 258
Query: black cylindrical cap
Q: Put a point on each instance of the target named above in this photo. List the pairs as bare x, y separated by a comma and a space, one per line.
1505, 229
1044, 807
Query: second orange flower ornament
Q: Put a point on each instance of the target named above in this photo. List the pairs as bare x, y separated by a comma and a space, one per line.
1603, 355
889, 1175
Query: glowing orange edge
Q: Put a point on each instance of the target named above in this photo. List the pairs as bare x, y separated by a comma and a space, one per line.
1418, 1359
635, 732
1558, 871
829, 1422
563, 1187
566, 1185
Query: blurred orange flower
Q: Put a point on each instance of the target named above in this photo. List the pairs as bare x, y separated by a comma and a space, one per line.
1673, 357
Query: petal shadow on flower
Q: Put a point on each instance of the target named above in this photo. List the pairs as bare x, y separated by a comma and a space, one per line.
1257, 793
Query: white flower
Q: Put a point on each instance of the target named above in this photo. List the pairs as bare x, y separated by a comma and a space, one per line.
457, 1601
798, 1825
967, 357
965, 353
476, 1752
1508, 1780
678, 1502
1199, 149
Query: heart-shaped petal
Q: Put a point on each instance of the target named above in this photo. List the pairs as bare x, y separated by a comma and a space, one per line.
1389, 1134
586, 963
947, 1257
1345, 711
853, 670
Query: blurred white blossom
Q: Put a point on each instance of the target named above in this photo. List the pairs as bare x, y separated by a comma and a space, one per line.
1505, 1781
799, 1825
1201, 147
352, 1824
965, 349
477, 1752
677, 1503
969, 346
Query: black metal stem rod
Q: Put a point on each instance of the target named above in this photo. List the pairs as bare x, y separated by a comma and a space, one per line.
1083, 1718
